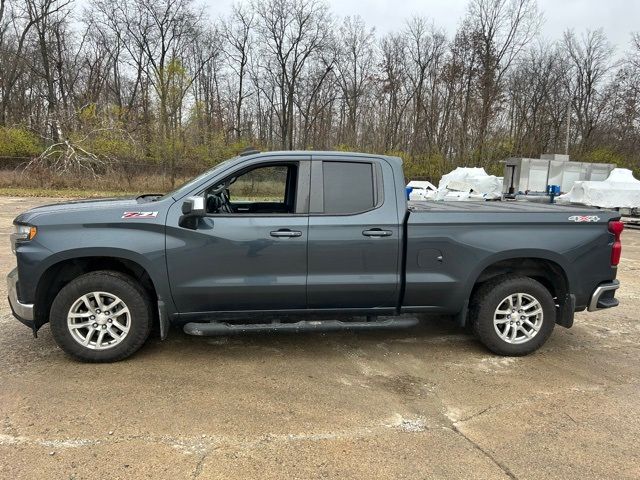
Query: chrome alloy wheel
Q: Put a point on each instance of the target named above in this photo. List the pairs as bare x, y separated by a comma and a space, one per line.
518, 318
99, 320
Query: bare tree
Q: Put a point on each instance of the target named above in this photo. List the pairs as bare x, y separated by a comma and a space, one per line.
16, 24
537, 101
159, 34
207, 59
590, 61
425, 47
634, 56
293, 32
396, 95
355, 71
500, 31
239, 42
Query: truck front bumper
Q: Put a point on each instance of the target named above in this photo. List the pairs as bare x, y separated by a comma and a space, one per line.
604, 296
22, 311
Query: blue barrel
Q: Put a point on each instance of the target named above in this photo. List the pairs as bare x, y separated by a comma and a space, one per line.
408, 190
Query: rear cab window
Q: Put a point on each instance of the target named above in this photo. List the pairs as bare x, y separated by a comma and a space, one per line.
348, 187
344, 187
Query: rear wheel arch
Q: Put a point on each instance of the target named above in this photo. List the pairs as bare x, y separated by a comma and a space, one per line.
548, 272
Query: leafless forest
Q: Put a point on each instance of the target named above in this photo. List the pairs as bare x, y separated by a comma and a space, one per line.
127, 85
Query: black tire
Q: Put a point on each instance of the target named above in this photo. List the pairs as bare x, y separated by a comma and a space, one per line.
491, 295
124, 287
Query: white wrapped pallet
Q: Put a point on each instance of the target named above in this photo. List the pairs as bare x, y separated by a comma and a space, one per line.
422, 190
474, 181
620, 190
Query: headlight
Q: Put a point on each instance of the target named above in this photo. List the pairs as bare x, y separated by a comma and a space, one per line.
22, 233
25, 232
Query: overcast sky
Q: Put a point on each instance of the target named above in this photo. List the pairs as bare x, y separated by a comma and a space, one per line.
618, 18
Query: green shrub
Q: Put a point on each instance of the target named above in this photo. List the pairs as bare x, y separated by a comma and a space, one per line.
604, 155
18, 142
112, 147
609, 155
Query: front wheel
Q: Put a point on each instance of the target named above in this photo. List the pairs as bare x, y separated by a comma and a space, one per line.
513, 315
101, 316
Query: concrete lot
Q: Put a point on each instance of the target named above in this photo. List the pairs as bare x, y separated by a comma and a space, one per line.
429, 402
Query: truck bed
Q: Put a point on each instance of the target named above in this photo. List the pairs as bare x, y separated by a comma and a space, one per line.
449, 244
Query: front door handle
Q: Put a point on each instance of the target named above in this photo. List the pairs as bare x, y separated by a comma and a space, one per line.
377, 232
283, 232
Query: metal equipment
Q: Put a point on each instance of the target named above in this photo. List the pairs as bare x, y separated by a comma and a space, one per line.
533, 175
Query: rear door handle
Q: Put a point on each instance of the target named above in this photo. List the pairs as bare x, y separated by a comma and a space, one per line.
285, 232
377, 232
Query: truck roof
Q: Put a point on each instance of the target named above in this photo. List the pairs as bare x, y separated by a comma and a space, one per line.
324, 153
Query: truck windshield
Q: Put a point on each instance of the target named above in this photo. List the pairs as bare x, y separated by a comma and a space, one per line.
185, 187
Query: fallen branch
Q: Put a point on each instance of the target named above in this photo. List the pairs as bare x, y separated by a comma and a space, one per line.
68, 158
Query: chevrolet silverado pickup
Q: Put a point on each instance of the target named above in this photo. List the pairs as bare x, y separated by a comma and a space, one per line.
306, 241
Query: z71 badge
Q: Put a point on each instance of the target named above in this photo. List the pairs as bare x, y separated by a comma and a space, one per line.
584, 218
139, 214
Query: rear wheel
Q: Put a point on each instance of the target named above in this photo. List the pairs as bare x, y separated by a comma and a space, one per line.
102, 316
513, 315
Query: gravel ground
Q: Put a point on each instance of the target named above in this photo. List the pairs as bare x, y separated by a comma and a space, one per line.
429, 402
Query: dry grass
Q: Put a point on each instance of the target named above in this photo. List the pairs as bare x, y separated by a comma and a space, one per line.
61, 193
114, 183
14, 183
266, 190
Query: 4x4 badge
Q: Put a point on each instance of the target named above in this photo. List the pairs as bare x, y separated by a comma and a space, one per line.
584, 218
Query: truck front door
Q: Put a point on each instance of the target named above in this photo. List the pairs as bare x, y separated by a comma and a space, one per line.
250, 251
354, 234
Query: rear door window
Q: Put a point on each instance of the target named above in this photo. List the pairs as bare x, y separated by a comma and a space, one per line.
348, 187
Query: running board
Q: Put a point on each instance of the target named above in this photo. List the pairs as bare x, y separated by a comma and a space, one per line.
211, 329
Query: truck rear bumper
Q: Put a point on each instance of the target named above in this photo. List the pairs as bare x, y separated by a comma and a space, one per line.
22, 311
603, 296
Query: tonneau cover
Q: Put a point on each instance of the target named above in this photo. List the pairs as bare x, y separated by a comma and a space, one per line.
497, 206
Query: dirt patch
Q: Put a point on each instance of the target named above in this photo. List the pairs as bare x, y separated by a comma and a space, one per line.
429, 402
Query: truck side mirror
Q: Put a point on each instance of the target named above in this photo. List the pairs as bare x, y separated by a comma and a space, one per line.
192, 209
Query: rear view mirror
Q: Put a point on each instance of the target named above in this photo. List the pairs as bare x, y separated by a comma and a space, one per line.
192, 209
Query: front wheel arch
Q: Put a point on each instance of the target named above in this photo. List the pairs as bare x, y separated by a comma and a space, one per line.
130, 302
58, 275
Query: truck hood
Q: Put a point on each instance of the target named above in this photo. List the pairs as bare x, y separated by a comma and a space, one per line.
79, 206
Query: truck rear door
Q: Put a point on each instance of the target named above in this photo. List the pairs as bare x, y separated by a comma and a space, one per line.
354, 234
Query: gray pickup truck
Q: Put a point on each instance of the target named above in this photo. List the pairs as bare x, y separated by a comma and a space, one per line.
305, 241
